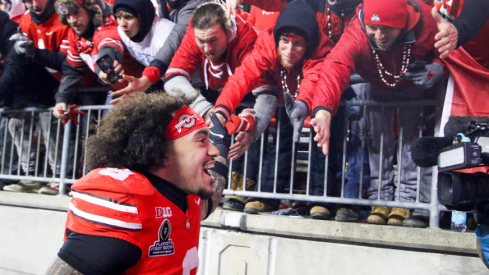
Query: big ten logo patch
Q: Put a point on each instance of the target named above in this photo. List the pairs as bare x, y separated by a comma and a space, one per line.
163, 212
164, 245
186, 121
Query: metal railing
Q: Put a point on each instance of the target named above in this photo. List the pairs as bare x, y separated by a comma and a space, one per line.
69, 165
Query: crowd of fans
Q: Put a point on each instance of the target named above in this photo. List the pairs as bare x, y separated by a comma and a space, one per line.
291, 61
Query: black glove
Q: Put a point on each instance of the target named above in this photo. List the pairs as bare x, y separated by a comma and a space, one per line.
222, 140
219, 136
426, 77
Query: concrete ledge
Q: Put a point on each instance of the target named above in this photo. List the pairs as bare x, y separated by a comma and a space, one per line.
432, 240
56, 203
417, 239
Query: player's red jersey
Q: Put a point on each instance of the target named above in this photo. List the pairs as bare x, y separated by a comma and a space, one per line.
50, 34
123, 204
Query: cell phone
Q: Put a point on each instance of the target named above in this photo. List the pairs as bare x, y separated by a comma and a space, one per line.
417, 65
106, 64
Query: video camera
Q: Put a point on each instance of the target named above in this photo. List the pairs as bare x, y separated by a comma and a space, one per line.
465, 145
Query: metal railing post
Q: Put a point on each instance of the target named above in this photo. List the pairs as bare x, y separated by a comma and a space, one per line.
64, 157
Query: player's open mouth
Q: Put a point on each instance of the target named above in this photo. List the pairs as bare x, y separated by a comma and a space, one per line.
208, 166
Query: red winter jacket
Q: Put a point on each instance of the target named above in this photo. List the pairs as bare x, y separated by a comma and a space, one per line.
354, 53
189, 56
261, 19
263, 63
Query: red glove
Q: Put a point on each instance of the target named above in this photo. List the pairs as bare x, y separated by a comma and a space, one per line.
72, 114
240, 124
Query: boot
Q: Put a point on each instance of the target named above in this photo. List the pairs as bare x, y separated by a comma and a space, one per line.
397, 216
379, 215
237, 203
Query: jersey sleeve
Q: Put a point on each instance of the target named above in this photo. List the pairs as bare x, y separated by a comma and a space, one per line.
73, 57
109, 37
104, 213
63, 37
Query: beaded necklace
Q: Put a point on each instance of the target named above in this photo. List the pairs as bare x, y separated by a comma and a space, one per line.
328, 12
283, 79
406, 56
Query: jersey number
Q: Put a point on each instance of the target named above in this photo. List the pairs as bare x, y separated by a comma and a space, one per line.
40, 44
191, 261
115, 173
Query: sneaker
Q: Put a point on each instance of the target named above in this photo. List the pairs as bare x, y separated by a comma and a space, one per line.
397, 216
417, 219
24, 186
256, 207
379, 215
4, 183
347, 214
320, 213
51, 189
286, 212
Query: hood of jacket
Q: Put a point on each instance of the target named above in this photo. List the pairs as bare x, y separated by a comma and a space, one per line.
141, 9
299, 15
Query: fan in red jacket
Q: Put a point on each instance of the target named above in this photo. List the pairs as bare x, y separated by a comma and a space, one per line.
93, 34
277, 58
289, 55
389, 44
215, 44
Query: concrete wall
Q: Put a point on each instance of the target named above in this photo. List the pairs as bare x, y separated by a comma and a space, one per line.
31, 232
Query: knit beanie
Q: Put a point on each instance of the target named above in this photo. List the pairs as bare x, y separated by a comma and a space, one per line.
391, 13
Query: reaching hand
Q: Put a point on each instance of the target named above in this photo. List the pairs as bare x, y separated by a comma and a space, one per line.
240, 123
243, 142
427, 76
447, 37
232, 5
218, 118
117, 69
59, 110
321, 123
134, 85
219, 136
71, 114
22, 45
297, 112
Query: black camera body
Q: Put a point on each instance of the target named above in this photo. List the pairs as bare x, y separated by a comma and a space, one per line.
462, 190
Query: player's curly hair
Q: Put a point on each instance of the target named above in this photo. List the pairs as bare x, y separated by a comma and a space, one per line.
132, 135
